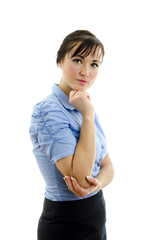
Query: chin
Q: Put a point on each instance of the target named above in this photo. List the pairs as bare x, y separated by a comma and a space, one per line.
81, 88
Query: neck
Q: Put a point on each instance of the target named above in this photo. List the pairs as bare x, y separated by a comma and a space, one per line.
66, 89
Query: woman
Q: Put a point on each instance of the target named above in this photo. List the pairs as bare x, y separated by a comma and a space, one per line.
70, 146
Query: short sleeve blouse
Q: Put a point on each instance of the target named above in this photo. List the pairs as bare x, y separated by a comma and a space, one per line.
54, 131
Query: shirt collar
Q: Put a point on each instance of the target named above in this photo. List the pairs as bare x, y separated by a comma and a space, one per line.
63, 98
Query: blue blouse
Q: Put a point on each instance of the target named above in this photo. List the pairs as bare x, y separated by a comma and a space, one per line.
54, 131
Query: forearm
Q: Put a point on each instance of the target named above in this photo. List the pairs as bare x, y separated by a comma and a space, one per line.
105, 175
84, 156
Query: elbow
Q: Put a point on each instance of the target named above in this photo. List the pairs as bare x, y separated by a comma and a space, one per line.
80, 173
81, 178
82, 182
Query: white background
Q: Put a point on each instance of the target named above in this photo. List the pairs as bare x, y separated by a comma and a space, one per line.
125, 95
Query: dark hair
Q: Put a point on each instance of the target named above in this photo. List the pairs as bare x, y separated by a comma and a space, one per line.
86, 40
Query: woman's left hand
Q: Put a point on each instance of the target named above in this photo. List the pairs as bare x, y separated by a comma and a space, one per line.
74, 187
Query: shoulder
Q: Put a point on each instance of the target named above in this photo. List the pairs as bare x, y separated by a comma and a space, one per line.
48, 109
50, 103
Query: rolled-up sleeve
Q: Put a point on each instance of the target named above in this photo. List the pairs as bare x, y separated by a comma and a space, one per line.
102, 142
51, 131
104, 152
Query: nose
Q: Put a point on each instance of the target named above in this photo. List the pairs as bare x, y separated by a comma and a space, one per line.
84, 71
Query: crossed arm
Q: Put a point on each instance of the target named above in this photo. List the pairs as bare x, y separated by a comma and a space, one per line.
104, 177
77, 167
80, 164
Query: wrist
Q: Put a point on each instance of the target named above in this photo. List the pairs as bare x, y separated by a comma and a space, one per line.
88, 116
100, 184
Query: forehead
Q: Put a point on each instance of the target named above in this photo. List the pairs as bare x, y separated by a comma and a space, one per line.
94, 52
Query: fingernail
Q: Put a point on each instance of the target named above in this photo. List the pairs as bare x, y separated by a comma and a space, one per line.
65, 178
88, 177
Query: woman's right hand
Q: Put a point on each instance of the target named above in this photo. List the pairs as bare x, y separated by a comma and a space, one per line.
81, 101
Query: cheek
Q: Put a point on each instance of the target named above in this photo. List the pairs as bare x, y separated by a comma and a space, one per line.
94, 74
72, 71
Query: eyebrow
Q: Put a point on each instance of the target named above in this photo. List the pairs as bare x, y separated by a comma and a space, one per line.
84, 58
96, 61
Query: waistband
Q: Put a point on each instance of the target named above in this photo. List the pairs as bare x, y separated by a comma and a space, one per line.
74, 208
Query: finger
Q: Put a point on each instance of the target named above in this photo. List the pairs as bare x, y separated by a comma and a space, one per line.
77, 187
88, 96
82, 191
67, 181
72, 94
79, 94
74, 187
92, 180
70, 186
87, 190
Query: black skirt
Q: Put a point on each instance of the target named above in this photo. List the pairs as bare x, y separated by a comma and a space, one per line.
73, 220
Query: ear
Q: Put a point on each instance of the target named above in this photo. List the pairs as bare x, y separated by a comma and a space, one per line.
59, 63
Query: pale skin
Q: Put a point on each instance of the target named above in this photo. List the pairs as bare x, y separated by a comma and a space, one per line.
78, 74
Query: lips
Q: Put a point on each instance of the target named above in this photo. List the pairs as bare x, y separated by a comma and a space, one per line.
81, 81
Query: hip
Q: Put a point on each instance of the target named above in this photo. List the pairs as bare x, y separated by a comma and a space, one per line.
80, 219
74, 208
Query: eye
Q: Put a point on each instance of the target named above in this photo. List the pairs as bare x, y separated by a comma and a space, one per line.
76, 60
94, 65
